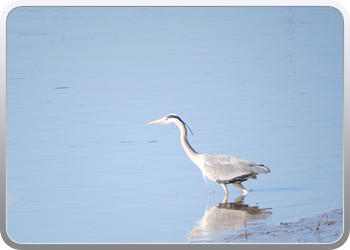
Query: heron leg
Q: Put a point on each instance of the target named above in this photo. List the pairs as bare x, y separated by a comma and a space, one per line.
225, 188
240, 186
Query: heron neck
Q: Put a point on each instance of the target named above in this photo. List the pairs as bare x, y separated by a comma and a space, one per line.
187, 147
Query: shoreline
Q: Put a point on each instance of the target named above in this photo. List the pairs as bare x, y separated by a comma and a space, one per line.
302, 231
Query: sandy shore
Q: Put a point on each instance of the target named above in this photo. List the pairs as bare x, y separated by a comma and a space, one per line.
302, 231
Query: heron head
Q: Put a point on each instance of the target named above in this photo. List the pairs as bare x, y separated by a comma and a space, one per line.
170, 119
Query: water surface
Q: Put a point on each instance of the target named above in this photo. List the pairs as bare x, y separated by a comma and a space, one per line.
265, 84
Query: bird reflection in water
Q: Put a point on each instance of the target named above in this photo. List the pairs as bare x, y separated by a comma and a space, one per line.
227, 217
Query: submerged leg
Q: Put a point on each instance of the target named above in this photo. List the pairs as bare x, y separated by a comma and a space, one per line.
225, 188
239, 186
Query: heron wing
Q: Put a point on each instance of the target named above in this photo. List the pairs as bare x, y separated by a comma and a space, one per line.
227, 167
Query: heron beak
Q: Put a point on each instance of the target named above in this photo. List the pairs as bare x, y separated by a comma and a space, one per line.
160, 121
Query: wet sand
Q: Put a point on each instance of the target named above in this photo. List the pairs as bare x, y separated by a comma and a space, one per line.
302, 231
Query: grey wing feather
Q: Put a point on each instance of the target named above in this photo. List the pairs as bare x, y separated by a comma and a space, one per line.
226, 167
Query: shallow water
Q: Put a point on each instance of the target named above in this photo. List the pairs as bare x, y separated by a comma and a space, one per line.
315, 229
265, 84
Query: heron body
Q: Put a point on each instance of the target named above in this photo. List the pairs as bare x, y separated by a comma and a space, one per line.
223, 169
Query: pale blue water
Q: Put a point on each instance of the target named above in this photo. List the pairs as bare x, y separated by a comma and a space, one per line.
265, 84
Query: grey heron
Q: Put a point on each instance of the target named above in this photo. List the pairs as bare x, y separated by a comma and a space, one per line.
223, 169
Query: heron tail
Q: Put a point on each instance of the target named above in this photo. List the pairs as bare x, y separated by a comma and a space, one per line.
260, 169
